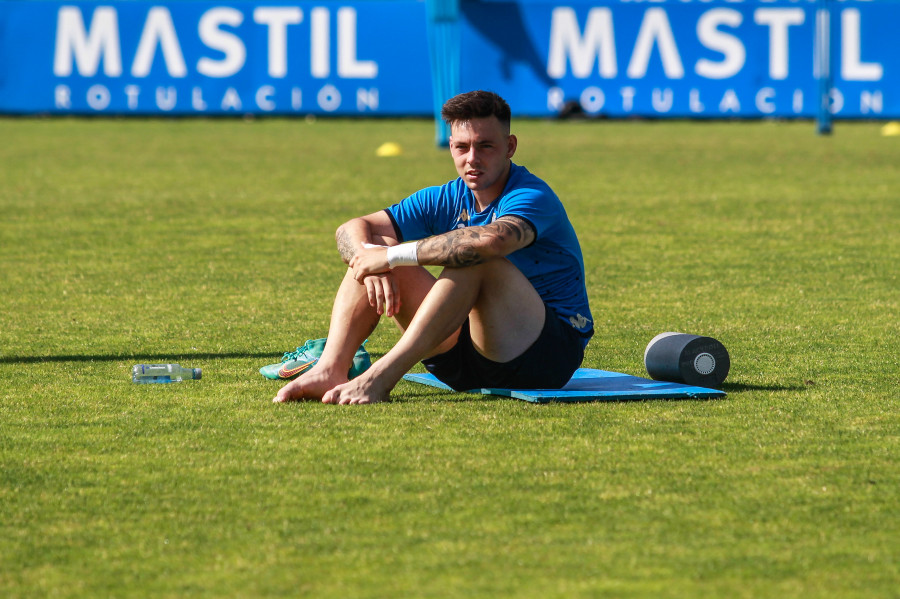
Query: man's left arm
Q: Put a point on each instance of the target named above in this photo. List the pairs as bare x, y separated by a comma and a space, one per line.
474, 245
455, 249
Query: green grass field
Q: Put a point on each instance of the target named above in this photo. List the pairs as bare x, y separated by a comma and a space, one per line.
210, 243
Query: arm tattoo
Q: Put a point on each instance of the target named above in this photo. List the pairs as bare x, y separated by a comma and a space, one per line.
514, 227
456, 249
345, 245
474, 245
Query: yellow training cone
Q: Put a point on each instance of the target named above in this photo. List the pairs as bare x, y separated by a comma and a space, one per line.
892, 128
388, 149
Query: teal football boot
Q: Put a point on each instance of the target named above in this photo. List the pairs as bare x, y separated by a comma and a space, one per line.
303, 358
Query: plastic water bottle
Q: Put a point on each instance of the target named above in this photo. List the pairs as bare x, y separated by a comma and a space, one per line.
163, 373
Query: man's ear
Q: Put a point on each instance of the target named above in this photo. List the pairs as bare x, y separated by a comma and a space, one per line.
513, 143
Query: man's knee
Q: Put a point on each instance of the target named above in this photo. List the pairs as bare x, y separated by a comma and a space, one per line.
499, 266
497, 272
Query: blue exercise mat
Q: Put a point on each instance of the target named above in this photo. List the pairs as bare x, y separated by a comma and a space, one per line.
589, 384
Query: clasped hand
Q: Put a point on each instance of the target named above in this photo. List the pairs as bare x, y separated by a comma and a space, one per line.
370, 268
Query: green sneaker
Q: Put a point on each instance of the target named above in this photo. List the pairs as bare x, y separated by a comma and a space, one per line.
305, 357
361, 362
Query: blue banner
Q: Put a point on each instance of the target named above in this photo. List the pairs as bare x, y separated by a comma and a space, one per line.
366, 58
659, 58
683, 58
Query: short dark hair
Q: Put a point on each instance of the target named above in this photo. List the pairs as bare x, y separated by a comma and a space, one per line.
478, 104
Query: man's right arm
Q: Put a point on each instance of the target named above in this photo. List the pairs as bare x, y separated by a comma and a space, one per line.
370, 266
375, 228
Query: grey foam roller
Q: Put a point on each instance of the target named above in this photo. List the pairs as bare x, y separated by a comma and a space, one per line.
690, 359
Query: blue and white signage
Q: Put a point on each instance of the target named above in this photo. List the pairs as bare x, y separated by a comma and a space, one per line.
209, 58
619, 58
686, 58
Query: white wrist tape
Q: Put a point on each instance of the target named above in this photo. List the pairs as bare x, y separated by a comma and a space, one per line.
405, 254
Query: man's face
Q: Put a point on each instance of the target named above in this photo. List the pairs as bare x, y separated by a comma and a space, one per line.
481, 150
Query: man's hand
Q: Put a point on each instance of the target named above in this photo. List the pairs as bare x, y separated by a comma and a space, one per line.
383, 293
370, 268
369, 260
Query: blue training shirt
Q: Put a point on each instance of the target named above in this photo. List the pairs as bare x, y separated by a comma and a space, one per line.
553, 262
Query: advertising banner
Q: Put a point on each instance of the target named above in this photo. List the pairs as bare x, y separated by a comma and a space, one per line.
615, 58
686, 58
188, 57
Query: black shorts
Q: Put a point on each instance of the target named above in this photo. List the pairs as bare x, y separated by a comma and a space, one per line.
548, 364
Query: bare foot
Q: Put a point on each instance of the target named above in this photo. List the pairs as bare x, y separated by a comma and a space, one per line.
363, 389
312, 384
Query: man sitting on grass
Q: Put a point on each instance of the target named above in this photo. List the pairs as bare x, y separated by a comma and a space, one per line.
510, 307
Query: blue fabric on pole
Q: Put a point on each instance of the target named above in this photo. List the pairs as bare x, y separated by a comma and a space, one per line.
822, 56
444, 53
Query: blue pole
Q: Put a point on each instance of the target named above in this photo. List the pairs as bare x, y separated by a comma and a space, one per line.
823, 66
444, 53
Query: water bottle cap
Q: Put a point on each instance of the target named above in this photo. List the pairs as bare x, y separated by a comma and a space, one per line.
198, 373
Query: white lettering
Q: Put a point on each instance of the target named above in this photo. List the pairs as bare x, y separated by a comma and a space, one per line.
348, 65
764, 101
694, 101
264, 98
159, 30
329, 98
767, 100
555, 99
729, 102
592, 100
367, 99
98, 97
778, 20
836, 100
166, 97
231, 100
852, 69
296, 98
74, 44
320, 43
132, 92
662, 99
277, 20
224, 41
567, 42
628, 94
730, 46
62, 96
197, 102
871, 102
655, 30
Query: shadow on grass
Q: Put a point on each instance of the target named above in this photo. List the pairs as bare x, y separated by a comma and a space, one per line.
155, 357
442, 396
741, 387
